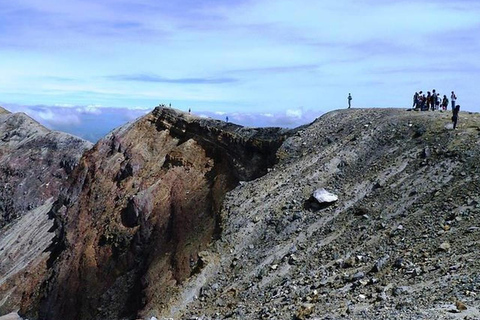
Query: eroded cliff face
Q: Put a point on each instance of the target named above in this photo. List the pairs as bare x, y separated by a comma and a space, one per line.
35, 163
142, 205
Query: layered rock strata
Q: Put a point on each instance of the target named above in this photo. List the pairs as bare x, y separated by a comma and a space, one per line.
142, 206
35, 163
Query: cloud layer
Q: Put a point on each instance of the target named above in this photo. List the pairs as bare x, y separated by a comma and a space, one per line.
93, 123
88, 122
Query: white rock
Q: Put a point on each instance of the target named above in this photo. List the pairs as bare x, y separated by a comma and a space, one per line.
445, 246
11, 316
323, 196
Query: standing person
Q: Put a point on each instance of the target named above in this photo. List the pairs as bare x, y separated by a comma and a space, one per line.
349, 98
429, 101
421, 101
434, 100
453, 99
456, 110
444, 102
415, 100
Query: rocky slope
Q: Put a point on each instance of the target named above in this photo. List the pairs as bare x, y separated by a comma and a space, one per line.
34, 165
189, 218
142, 205
402, 241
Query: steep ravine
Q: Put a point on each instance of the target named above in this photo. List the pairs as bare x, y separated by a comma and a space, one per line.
142, 204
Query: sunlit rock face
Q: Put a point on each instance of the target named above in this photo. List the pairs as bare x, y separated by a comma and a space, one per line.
142, 205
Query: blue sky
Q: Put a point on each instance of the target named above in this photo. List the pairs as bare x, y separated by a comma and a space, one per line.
261, 62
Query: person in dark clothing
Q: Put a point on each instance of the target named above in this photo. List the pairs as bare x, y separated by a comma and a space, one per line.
421, 102
415, 100
429, 101
444, 102
456, 110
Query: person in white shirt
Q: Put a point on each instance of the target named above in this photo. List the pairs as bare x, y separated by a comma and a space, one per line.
453, 98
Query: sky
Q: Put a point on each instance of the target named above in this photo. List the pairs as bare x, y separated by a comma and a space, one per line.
86, 66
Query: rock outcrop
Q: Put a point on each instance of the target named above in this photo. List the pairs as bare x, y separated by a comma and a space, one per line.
34, 166
34, 163
143, 204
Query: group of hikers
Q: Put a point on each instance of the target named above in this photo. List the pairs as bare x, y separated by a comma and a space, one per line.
432, 101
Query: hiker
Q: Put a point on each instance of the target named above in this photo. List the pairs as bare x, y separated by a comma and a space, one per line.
437, 101
433, 100
456, 110
429, 101
415, 100
453, 99
421, 101
349, 98
189, 110
444, 102
226, 118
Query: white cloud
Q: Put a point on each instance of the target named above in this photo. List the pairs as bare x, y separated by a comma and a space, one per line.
294, 113
90, 109
89, 122
289, 119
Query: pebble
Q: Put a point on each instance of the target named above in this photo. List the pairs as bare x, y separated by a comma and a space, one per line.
460, 305
445, 246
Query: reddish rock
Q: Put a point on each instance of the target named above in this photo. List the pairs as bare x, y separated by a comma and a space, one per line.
35, 163
142, 204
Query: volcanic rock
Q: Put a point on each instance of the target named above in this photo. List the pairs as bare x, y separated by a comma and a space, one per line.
35, 164
155, 223
323, 196
144, 203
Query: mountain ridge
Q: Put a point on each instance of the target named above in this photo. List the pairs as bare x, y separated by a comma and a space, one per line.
178, 216
141, 207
